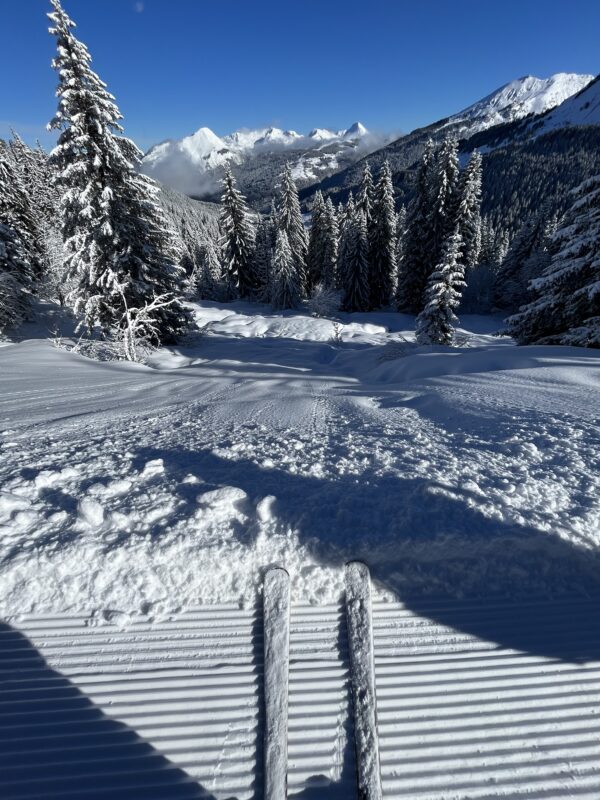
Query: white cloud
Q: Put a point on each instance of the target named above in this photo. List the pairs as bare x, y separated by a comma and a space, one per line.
139, 6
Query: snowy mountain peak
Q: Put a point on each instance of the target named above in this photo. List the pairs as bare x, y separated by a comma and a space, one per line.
277, 136
521, 97
322, 134
193, 165
355, 131
202, 142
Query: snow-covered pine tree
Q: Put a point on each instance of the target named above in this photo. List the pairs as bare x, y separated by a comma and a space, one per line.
566, 305
366, 195
502, 244
356, 268
443, 212
18, 183
436, 323
382, 241
17, 271
400, 243
329, 253
120, 250
346, 234
237, 242
315, 242
478, 293
285, 288
15, 279
289, 219
206, 280
414, 269
510, 282
469, 210
36, 174
263, 256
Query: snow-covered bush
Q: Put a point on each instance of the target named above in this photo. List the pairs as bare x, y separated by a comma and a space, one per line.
323, 301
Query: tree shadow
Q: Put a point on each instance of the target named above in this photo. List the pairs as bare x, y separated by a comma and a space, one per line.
435, 551
56, 743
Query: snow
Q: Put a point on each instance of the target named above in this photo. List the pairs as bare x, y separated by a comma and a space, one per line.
275, 439
521, 97
581, 109
120, 705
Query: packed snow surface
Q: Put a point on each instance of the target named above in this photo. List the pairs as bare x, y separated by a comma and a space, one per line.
130, 490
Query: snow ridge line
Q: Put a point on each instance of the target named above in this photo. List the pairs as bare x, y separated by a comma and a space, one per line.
364, 699
276, 609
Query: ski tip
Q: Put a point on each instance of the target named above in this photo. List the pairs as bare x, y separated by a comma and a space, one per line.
357, 566
276, 570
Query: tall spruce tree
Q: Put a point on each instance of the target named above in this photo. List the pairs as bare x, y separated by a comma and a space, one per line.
436, 323
314, 256
206, 280
237, 242
400, 243
16, 268
382, 241
263, 256
469, 210
443, 211
120, 250
329, 253
23, 215
366, 195
346, 234
289, 219
15, 279
356, 266
285, 288
566, 305
415, 267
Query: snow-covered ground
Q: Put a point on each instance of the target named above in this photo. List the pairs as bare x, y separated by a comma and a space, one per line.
130, 492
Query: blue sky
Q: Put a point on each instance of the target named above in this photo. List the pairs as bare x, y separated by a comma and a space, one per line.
176, 65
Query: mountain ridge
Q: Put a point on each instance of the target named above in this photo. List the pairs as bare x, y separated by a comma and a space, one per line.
332, 160
195, 163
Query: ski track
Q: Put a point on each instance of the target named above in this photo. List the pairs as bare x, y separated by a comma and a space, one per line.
167, 709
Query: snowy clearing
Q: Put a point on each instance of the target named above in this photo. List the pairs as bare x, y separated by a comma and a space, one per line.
131, 490
141, 505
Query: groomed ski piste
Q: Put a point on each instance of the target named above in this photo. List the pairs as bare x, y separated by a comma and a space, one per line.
141, 507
